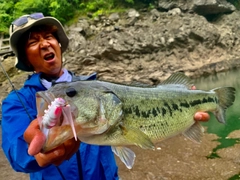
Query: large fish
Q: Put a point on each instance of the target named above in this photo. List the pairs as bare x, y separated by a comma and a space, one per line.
105, 113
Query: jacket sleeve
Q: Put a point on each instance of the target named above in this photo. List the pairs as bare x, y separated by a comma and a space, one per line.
15, 120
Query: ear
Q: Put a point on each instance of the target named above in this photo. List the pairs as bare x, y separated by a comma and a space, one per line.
60, 45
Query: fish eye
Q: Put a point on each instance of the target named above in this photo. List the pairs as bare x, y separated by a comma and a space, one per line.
71, 92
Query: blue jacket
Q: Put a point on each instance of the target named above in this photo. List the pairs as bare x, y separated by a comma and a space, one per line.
93, 162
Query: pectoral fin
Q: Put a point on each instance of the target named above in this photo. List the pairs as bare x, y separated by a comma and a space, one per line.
137, 137
126, 155
195, 132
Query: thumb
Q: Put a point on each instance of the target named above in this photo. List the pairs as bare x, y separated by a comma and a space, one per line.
34, 137
36, 144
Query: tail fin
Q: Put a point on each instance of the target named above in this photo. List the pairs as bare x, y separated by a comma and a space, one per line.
226, 97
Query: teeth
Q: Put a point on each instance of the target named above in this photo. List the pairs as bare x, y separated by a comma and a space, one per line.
49, 56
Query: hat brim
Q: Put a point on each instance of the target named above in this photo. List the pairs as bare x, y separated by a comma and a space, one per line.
62, 37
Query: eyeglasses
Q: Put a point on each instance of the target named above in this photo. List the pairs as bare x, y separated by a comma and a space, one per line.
23, 20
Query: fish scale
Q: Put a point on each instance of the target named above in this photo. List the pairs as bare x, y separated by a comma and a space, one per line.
139, 115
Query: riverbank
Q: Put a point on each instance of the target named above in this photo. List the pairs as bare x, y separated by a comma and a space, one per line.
178, 158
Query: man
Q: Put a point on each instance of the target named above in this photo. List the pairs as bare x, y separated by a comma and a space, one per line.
38, 43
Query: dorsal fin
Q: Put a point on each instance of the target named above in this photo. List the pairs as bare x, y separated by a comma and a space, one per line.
178, 78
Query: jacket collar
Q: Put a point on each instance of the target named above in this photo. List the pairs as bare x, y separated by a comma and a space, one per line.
34, 79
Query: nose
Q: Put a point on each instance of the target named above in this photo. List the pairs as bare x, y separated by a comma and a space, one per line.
44, 43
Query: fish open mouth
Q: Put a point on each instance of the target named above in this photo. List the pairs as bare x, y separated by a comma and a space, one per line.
43, 100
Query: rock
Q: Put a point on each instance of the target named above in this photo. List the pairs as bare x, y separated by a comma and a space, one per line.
132, 13
202, 7
184, 5
209, 7
175, 11
171, 41
114, 17
149, 46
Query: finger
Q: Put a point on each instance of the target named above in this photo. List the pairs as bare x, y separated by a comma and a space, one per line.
59, 162
52, 157
31, 130
36, 144
71, 147
34, 137
201, 116
193, 87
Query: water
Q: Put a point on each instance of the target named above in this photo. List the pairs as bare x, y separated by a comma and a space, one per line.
231, 78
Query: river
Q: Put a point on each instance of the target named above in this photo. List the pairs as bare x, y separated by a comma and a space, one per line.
230, 78
217, 157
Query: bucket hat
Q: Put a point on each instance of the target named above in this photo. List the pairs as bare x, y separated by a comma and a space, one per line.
23, 24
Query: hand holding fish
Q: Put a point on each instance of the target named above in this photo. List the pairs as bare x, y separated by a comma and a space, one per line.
35, 138
200, 116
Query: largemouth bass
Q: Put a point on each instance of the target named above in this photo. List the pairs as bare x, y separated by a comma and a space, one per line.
105, 113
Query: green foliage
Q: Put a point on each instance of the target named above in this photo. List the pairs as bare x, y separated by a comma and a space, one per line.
130, 1
5, 17
64, 10
61, 9
67, 10
97, 7
236, 3
30, 6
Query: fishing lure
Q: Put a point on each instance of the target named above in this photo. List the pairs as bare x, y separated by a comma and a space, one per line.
52, 116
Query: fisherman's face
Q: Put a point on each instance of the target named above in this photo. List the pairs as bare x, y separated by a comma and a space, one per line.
44, 53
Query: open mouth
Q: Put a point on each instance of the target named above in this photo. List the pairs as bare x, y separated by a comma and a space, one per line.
49, 56
43, 100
